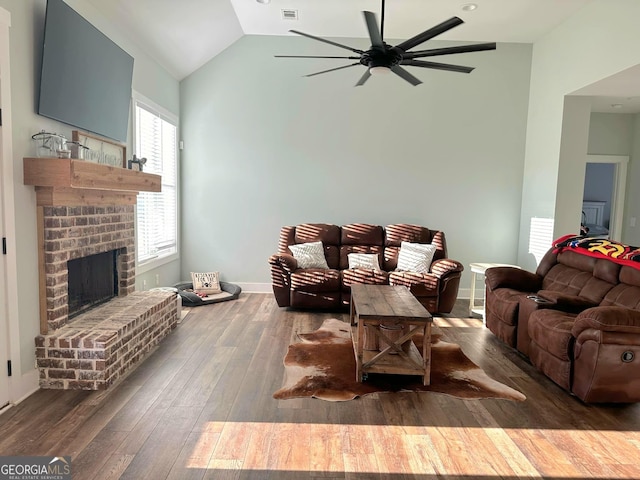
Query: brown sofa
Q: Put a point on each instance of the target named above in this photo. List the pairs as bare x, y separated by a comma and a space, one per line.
330, 288
577, 318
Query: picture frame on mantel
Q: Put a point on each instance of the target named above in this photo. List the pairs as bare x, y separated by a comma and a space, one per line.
101, 150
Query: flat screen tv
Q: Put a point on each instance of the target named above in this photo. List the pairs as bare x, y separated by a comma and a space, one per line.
86, 77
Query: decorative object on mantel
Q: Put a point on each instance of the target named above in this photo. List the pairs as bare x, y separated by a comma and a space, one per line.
136, 163
78, 151
50, 145
101, 150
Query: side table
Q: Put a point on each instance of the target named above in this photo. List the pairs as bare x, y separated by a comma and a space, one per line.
479, 269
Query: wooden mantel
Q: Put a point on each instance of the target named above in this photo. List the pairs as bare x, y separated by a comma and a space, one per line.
66, 181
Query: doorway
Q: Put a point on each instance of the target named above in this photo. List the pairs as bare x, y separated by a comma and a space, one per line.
604, 194
4, 314
5, 191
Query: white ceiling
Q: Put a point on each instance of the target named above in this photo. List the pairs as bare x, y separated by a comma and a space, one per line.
493, 20
619, 93
183, 35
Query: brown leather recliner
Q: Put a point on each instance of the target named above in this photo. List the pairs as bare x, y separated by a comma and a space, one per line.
331, 288
577, 318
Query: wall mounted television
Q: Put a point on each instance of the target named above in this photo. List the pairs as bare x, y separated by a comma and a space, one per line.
86, 78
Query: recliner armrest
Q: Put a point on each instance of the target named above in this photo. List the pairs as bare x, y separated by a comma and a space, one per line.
445, 266
512, 277
284, 260
607, 319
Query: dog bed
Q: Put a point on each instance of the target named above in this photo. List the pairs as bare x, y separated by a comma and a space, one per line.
230, 291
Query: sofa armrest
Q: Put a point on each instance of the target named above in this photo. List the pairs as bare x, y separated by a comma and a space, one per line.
445, 267
566, 303
607, 319
512, 277
282, 265
284, 261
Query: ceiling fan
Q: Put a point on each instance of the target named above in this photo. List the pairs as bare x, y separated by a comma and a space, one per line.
382, 58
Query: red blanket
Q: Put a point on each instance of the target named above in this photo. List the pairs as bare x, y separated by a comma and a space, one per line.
600, 248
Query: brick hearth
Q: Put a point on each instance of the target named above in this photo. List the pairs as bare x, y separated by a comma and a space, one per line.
98, 346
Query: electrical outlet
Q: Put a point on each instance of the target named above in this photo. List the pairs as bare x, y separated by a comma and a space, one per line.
632, 222
157, 279
144, 284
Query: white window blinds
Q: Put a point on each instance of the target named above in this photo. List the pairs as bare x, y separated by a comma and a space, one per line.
157, 219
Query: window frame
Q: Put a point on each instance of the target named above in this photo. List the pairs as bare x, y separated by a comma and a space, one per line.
166, 115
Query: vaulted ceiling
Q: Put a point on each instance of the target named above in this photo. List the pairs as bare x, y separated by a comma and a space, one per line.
183, 35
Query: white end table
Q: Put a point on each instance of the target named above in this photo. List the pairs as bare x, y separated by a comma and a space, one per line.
480, 268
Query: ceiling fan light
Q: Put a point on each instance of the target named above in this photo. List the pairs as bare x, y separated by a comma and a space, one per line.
379, 70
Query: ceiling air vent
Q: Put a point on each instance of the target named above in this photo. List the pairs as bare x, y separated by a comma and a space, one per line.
289, 14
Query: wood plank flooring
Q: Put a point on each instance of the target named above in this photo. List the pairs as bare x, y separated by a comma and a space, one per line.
200, 406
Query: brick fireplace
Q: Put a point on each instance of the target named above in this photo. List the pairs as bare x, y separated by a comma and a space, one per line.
80, 231
86, 209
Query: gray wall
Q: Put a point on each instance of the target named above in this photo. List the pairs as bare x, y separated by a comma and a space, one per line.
27, 18
631, 235
266, 147
611, 134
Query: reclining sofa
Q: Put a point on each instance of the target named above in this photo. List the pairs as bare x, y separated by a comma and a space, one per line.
577, 318
329, 288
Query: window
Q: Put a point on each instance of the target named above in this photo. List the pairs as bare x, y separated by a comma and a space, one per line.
155, 138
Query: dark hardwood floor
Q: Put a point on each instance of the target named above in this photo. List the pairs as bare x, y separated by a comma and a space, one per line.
200, 406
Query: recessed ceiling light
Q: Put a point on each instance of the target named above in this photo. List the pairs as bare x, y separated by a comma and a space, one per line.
263, 1
469, 7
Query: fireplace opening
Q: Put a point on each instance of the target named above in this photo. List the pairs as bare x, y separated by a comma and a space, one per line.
92, 280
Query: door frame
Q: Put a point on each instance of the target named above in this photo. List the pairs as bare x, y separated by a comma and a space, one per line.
18, 386
619, 190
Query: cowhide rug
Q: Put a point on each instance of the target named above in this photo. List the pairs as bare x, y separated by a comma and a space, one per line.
322, 365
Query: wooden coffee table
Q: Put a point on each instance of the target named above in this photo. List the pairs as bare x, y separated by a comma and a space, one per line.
373, 305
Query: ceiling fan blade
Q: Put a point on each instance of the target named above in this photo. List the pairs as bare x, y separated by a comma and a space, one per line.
477, 47
401, 72
313, 56
382, 21
430, 33
333, 69
437, 66
327, 41
374, 31
364, 78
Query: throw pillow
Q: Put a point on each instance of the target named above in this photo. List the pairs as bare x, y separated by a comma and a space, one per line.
309, 255
415, 257
363, 260
206, 283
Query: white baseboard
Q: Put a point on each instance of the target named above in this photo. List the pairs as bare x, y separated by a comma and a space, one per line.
255, 287
26, 385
